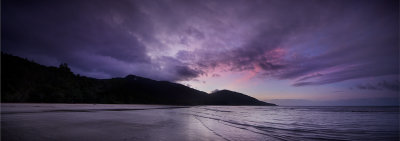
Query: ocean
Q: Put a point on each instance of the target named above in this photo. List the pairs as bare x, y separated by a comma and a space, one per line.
159, 122
305, 123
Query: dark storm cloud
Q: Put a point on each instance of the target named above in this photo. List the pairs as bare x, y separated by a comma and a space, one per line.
308, 42
62, 27
381, 85
173, 68
97, 38
186, 72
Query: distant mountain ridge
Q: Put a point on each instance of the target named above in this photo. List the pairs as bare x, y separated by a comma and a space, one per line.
27, 81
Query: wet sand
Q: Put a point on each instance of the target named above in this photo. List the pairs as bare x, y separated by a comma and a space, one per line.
84, 122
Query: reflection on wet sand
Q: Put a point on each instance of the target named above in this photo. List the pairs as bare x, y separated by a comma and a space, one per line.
78, 122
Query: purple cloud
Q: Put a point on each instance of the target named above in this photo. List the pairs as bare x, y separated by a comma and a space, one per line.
307, 42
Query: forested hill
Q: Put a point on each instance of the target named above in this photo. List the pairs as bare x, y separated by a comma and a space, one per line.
26, 81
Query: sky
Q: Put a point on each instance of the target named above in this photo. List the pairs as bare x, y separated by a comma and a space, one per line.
321, 51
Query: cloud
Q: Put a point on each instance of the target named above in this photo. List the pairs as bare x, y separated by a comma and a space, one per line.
312, 44
307, 42
186, 72
381, 85
97, 38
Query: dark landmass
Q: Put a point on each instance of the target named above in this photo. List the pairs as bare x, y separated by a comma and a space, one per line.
227, 97
27, 81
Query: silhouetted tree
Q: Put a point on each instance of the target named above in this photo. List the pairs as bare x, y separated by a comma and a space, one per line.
64, 67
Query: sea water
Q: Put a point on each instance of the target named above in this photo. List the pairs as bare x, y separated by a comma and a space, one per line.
303, 123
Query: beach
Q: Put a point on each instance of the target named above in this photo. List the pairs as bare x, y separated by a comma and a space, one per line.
79, 122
